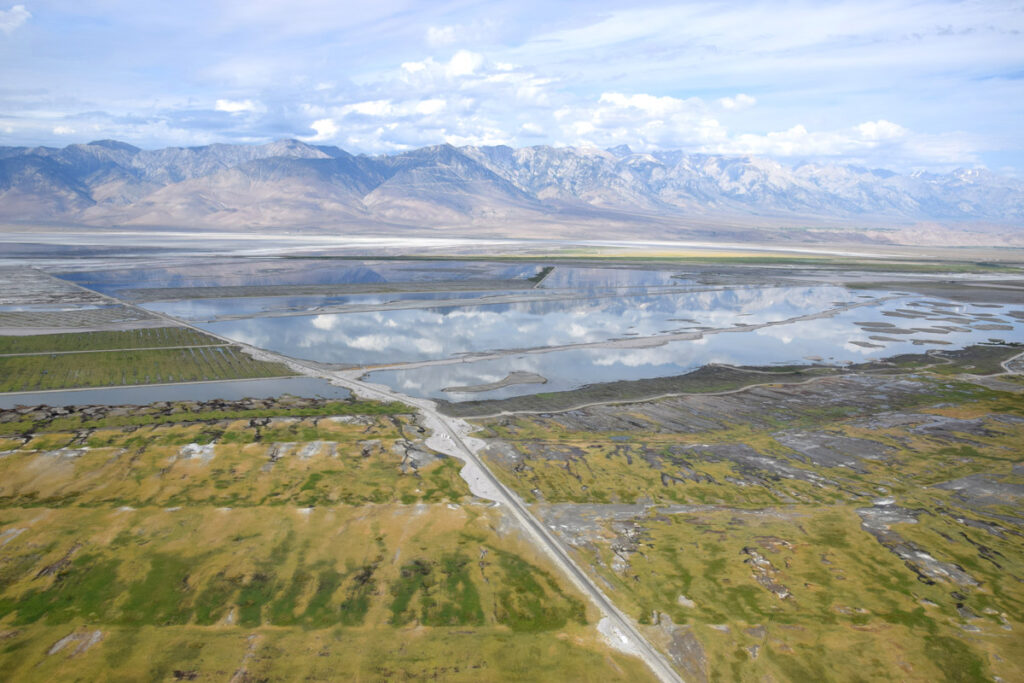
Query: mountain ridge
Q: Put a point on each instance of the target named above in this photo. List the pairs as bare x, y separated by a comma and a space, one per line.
499, 190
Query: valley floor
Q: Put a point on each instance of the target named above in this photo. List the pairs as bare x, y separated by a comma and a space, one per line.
821, 521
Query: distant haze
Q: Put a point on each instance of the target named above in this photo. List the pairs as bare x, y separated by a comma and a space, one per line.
500, 191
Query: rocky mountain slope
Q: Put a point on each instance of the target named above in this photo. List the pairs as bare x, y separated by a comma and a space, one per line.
533, 191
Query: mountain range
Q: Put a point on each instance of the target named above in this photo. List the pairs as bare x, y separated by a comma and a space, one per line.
529, 192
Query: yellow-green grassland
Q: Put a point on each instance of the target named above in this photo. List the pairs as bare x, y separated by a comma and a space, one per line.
857, 528
296, 547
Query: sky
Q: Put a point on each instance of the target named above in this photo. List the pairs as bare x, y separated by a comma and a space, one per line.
900, 84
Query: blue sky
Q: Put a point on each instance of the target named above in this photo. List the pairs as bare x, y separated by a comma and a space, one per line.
902, 84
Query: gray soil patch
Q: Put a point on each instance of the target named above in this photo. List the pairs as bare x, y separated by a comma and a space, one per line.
877, 521
757, 468
83, 641
759, 407
951, 429
829, 450
984, 489
87, 319
30, 287
580, 524
989, 292
685, 650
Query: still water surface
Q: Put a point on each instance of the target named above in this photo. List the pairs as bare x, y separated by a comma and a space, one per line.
740, 324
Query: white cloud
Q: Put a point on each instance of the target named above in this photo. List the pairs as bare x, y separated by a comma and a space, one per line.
793, 142
527, 87
853, 80
13, 18
237, 106
326, 129
428, 346
877, 143
479, 136
583, 128
371, 342
368, 108
55, 126
429, 110
466, 100
798, 141
441, 35
311, 110
326, 322
881, 130
741, 101
464, 63
660, 355
647, 104
643, 121
431, 106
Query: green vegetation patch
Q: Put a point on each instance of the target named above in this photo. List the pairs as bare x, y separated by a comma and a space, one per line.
306, 462
762, 452
153, 337
533, 600
183, 653
277, 567
116, 368
982, 359
437, 593
757, 559
810, 594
